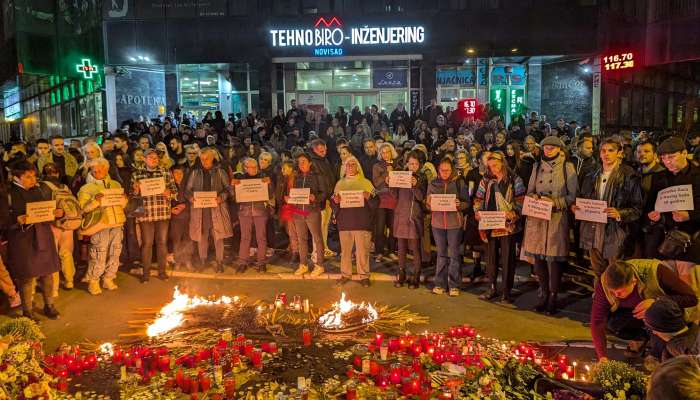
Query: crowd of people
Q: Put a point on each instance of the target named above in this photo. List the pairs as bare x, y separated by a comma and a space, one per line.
643, 260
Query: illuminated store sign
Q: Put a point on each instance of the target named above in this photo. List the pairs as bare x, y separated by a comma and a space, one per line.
328, 36
618, 61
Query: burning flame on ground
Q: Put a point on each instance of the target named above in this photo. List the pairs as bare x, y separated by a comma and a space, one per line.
170, 316
333, 319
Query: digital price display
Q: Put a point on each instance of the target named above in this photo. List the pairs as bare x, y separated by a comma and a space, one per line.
619, 61
468, 106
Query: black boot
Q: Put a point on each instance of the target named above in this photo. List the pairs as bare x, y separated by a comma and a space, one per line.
51, 312
414, 282
400, 278
542, 303
552, 304
491, 294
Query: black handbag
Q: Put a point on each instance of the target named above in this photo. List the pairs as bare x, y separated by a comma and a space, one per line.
134, 208
675, 244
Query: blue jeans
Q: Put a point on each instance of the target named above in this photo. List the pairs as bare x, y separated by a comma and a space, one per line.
448, 272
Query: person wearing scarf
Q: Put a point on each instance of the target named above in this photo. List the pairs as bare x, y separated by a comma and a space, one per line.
354, 224
500, 190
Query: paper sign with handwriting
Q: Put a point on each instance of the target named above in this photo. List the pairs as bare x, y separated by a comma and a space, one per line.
299, 196
492, 220
535, 208
251, 190
400, 179
40, 211
352, 198
591, 210
675, 198
152, 186
205, 200
443, 202
112, 197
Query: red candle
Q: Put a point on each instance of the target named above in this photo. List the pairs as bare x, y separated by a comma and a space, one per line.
306, 335
62, 385
194, 385
273, 347
378, 339
230, 388
205, 383
373, 368
248, 349
351, 392
164, 363
256, 358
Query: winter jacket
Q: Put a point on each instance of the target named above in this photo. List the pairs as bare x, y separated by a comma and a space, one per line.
408, 214
220, 218
356, 218
112, 216
326, 174
622, 192
558, 181
255, 208
318, 190
448, 219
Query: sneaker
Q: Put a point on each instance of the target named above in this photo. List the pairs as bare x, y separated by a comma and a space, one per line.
94, 288
68, 285
342, 281
303, 269
270, 252
163, 276
438, 290
262, 268
108, 283
364, 282
454, 292
51, 312
318, 270
15, 300
31, 315
328, 253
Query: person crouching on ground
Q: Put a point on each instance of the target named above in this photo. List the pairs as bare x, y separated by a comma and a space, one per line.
623, 295
253, 214
666, 320
106, 232
31, 252
209, 222
354, 223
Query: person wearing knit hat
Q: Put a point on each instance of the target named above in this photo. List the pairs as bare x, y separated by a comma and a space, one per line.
665, 319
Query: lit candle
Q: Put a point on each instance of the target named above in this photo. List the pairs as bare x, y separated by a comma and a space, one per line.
383, 351
306, 306
306, 336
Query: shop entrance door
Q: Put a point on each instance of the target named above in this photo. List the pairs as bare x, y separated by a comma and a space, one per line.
363, 100
350, 100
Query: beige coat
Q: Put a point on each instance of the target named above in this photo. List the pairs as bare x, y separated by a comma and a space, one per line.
550, 239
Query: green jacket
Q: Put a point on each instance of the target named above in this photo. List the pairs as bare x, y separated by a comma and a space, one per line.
71, 163
110, 217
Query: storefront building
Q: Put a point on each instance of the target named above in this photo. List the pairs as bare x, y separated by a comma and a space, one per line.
51, 79
243, 55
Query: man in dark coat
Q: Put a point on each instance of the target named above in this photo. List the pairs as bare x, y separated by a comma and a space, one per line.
328, 178
679, 171
31, 252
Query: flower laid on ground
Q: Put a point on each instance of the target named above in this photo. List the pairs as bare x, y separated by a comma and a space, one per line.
619, 380
21, 374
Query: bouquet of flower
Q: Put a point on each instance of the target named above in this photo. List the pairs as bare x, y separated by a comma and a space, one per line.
21, 374
619, 381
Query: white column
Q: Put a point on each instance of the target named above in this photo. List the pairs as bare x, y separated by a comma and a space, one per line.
111, 99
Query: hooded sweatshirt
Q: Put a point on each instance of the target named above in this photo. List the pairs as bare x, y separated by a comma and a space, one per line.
359, 218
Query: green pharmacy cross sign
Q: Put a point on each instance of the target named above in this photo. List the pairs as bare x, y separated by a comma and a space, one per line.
86, 68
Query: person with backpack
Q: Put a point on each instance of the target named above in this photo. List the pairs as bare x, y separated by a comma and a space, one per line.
63, 228
546, 242
103, 223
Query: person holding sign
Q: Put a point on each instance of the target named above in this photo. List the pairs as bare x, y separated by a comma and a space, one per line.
253, 214
209, 222
408, 221
447, 227
679, 171
618, 185
105, 225
552, 186
500, 190
354, 223
154, 223
308, 217
387, 201
285, 181
31, 252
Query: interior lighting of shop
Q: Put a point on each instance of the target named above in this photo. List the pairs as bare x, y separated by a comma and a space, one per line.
471, 50
514, 50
